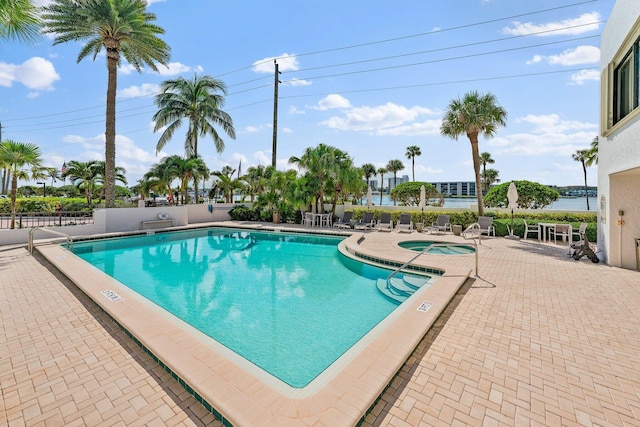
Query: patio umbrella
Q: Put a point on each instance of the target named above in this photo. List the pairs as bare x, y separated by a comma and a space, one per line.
369, 202
423, 201
512, 197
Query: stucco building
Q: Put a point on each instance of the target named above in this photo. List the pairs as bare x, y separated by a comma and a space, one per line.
619, 142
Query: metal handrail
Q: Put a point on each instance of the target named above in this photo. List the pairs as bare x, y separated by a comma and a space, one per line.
427, 249
34, 229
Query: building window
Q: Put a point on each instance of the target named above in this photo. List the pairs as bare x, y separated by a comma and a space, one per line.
625, 81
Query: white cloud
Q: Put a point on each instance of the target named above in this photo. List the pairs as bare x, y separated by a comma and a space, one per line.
126, 69
552, 123
35, 73
286, 62
262, 157
332, 101
387, 119
551, 135
294, 110
144, 89
577, 56
296, 82
585, 75
582, 24
287, 130
428, 127
176, 68
32, 95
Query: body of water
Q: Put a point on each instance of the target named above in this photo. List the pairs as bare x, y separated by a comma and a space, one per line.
562, 204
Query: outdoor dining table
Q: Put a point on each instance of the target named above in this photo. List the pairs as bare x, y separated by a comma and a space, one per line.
319, 218
544, 227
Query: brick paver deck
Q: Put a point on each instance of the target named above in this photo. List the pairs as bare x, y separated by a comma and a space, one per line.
538, 339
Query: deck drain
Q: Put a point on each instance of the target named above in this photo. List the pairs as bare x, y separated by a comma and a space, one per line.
112, 295
425, 306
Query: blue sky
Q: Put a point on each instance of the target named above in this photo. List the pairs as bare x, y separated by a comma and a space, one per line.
369, 77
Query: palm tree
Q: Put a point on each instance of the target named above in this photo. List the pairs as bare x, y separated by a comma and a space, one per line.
19, 20
254, 180
85, 176
394, 166
485, 158
192, 168
382, 171
318, 162
120, 175
412, 152
16, 156
582, 156
199, 102
369, 170
490, 176
54, 174
592, 153
158, 178
472, 115
123, 28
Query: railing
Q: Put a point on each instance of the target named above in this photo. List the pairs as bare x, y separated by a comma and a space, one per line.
48, 230
436, 245
46, 219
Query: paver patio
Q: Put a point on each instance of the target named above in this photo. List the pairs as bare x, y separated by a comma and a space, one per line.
537, 339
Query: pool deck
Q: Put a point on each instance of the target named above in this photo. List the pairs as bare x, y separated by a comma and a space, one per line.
536, 339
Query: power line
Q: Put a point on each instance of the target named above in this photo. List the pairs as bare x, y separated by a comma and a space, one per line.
442, 30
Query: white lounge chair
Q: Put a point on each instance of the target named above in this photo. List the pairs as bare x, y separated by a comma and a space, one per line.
366, 223
345, 222
443, 223
384, 223
405, 223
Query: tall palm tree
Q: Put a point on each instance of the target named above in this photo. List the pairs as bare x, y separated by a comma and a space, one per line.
382, 171
186, 169
582, 156
485, 159
490, 176
412, 152
123, 28
254, 180
395, 166
19, 20
318, 161
473, 115
53, 173
369, 170
19, 157
592, 153
85, 176
197, 100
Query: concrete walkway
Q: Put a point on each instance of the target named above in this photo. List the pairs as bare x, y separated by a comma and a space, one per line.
537, 339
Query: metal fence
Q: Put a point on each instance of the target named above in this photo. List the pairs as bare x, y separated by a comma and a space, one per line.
46, 219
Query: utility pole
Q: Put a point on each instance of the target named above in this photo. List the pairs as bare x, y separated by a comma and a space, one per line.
275, 116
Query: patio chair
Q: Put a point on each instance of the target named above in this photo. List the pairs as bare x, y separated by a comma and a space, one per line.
531, 229
579, 232
366, 223
308, 219
560, 230
345, 222
384, 223
486, 225
405, 223
443, 223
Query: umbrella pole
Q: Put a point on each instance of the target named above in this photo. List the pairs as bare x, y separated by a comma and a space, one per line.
511, 235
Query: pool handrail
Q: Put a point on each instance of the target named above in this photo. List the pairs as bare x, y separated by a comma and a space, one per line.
34, 229
427, 249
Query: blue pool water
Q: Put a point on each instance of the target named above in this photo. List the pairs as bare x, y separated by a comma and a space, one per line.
420, 245
291, 304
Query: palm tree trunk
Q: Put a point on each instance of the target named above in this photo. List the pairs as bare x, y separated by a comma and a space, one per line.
586, 192
473, 138
110, 132
413, 167
14, 193
395, 183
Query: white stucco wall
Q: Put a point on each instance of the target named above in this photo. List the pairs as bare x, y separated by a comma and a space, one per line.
619, 155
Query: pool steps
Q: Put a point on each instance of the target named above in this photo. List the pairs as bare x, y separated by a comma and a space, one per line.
399, 289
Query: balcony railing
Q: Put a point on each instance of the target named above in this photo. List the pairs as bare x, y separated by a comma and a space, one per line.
46, 219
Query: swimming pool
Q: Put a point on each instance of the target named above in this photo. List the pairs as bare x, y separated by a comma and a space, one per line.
420, 245
289, 303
